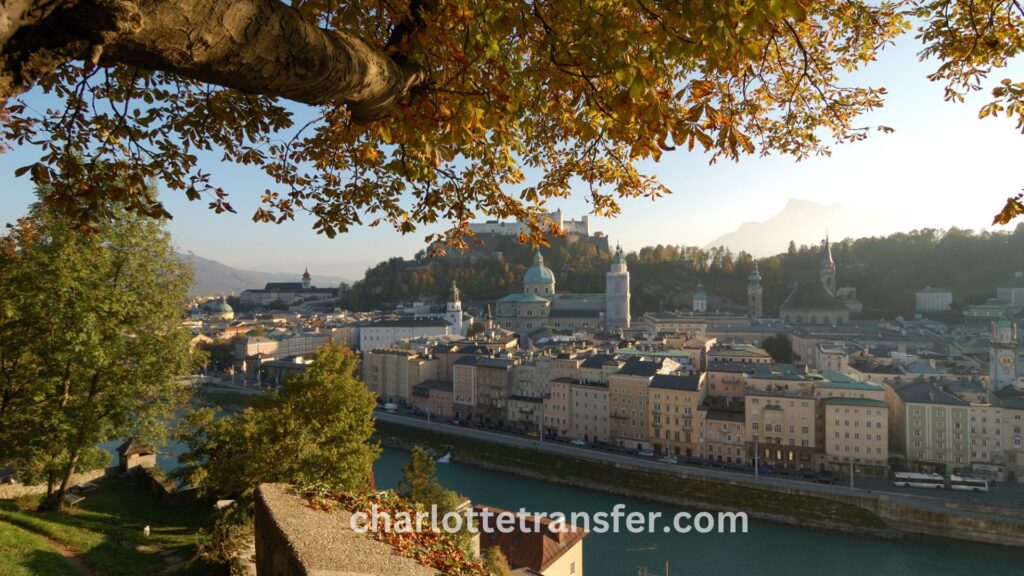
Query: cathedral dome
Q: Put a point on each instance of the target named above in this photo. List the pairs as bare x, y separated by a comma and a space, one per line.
220, 309
538, 273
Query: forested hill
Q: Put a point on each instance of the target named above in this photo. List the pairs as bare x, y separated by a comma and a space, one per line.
886, 271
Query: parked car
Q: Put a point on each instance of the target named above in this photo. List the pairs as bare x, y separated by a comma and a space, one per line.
578, 442
670, 459
645, 454
694, 460
764, 470
391, 407
808, 474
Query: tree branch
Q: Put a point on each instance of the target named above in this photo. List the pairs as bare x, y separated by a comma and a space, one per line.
258, 46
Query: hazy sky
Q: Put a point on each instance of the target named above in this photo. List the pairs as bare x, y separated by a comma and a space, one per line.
942, 167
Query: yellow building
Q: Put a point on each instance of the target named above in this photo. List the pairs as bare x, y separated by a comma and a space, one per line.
589, 419
780, 428
674, 401
392, 374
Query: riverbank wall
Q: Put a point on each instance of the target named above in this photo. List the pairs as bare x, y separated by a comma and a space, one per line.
879, 516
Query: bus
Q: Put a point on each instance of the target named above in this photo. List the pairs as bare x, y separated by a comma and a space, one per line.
914, 480
968, 483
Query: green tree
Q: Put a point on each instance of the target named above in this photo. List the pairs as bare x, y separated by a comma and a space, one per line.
419, 485
220, 353
495, 562
780, 347
314, 432
415, 111
91, 339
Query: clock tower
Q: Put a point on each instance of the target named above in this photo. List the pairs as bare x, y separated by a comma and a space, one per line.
1003, 367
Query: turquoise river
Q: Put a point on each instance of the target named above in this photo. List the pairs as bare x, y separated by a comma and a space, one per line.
765, 550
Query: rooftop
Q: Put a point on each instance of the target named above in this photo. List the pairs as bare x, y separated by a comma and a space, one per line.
637, 366
855, 402
923, 392
409, 323
811, 295
686, 383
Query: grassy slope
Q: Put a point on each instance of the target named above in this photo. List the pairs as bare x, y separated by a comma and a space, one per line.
716, 493
106, 529
23, 553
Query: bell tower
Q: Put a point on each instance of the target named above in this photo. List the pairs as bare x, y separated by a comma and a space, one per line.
1003, 355
453, 310
828, 268
755, 294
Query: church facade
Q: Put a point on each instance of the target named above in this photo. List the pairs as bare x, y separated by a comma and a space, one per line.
541, 306
815, 302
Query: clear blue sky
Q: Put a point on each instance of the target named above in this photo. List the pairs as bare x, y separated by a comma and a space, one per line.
942, 167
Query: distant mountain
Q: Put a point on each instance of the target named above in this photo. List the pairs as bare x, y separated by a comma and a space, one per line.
211, 277
804, 222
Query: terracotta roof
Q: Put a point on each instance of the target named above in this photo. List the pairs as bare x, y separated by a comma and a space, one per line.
535, 550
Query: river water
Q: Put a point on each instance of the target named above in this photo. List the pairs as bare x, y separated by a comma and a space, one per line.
765, 550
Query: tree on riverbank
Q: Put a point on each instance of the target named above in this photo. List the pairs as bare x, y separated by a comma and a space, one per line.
314, 433
420, 485
91, 340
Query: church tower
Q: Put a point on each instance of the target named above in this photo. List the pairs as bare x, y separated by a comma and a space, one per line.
828, 268
700, 299
453, 311
306, 280
616, 315
755, 294
1003, 355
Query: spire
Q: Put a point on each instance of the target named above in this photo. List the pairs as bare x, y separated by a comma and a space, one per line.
755, 276
619, 257
306, 273
453, 296
538, 260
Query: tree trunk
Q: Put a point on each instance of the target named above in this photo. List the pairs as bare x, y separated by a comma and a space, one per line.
65, 484
258, 46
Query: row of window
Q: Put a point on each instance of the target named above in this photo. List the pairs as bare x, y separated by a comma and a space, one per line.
778, 428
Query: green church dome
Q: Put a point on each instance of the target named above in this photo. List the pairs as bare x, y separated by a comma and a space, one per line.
699, 293
219, 306
538, 273
619, 257
755, 276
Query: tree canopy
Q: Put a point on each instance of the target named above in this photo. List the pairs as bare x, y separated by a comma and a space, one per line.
418, 111
314, 432
91, 340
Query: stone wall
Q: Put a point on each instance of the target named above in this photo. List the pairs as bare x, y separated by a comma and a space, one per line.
12, 491
292, 539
